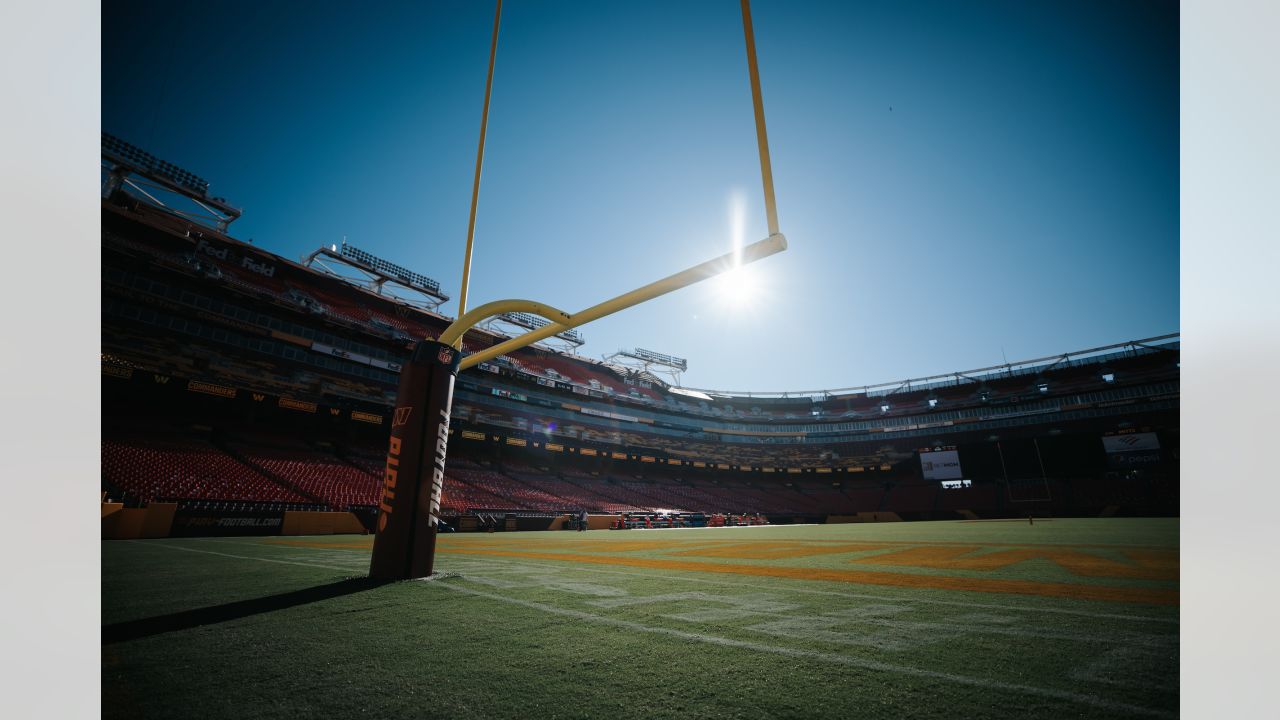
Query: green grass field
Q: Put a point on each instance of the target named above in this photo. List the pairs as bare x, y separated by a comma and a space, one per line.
1063, 618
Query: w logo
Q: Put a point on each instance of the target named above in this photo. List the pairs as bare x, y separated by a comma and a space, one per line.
162, 379
401, 417
259, 397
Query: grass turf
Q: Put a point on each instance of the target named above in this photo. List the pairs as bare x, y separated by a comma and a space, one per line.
664, 623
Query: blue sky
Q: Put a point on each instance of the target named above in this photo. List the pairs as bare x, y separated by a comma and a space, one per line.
957, 180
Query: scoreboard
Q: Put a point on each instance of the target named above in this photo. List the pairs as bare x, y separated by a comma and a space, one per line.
940, 463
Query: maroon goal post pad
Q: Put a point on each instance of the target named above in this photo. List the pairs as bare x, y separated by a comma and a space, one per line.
408, 512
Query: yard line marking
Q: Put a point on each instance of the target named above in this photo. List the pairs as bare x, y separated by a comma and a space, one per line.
808, 591
866, 664
862, 596
249, 557
833, 658
1112, 593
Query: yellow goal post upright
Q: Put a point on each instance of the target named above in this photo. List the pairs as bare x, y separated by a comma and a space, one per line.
404, 545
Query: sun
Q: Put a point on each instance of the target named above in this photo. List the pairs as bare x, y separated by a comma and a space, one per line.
738, 287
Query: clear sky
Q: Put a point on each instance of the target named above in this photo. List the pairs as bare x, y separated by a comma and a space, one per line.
958, 180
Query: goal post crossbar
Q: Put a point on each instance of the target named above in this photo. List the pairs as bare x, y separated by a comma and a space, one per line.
561, 321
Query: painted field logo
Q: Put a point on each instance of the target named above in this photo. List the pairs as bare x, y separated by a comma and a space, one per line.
445, 356
402, 416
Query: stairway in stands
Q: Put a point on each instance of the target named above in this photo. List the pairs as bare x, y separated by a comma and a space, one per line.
274, 477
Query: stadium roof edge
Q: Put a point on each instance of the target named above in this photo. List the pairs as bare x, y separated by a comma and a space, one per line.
1100, 354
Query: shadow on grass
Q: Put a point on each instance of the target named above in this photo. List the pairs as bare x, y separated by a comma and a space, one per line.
187, 619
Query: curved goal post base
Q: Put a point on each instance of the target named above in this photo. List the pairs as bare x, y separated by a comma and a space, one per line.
408, 513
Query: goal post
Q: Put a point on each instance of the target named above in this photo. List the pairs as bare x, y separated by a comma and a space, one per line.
409, 509
408, 512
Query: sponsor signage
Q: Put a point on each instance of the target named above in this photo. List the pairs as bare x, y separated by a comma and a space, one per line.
117, 371
366, 417
1131, 450
297, 405
940, 464
1130, 442
210, 389
205, 523
245, 262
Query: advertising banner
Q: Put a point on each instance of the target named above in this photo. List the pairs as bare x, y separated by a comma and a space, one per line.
1131, 450
1130, 442
940, 465
210, 523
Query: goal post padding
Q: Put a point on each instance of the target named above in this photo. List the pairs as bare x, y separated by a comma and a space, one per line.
408, 513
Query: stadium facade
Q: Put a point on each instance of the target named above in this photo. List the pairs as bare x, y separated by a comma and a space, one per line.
239, 385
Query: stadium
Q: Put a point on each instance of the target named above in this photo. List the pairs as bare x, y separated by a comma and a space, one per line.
601, 538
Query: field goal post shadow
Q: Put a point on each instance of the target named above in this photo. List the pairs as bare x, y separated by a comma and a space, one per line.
404, 544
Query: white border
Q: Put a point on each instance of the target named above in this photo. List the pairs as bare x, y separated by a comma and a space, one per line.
50, 624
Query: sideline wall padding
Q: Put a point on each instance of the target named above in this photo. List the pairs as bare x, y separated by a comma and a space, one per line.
125, 524
865, 517
158, 519
121, 523
601, 522
304, 522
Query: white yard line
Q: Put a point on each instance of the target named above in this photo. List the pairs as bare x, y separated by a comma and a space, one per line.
245, 557
832, 658
1143, 639
861, 596
790, 588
